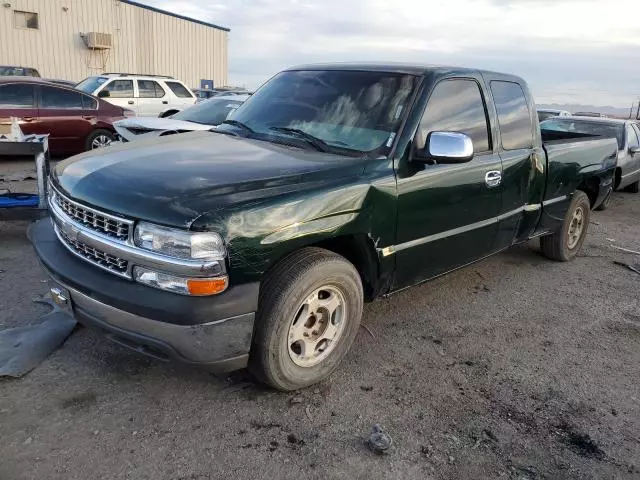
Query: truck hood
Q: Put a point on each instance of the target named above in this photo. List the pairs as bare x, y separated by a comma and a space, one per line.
173, 180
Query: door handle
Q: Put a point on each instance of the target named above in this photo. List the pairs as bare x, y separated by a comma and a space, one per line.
165, 102
130, 102
88, 117
493, 178
28, 119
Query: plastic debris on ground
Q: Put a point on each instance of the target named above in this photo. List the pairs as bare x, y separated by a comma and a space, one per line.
24, 348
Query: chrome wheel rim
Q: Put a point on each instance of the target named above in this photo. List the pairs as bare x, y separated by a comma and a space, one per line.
576, 227
316, 327
100, 141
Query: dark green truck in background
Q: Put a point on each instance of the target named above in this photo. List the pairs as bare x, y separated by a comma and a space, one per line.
258, 242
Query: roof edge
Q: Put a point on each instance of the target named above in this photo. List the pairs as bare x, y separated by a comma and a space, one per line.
171, 14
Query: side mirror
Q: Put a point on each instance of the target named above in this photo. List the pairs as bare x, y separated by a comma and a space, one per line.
104, 94
448, 147
634, 150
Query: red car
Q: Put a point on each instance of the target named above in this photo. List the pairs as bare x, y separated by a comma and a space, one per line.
74, 120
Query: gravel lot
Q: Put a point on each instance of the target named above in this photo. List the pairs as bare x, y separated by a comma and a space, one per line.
515, 368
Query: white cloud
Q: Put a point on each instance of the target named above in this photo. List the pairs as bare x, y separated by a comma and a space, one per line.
569, 50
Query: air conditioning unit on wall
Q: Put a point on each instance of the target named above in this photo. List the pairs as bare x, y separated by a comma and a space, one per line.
97, 40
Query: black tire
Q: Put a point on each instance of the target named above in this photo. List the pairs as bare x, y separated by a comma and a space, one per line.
556, 245
96, 136
633, 188
606, 203
282, 295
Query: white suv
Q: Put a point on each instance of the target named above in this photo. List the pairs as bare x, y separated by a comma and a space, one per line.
147, 95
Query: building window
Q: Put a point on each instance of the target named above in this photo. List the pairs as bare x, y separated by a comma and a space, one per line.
25, 19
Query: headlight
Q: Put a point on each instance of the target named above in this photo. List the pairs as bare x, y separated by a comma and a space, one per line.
183, 286
179, 243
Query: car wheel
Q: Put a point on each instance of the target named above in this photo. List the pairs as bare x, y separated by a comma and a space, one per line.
633, 188
564, 244
606, 203
309, 313
99, 139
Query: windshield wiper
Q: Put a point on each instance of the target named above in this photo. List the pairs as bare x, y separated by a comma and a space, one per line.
318, 143
236, 123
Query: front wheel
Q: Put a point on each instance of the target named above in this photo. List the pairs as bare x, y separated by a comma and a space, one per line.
564, 244
308, 316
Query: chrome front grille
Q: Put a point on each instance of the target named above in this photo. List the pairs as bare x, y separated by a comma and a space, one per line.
102, 259
92, 219
106, 241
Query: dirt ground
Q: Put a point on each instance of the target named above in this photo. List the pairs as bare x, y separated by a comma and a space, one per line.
514, 368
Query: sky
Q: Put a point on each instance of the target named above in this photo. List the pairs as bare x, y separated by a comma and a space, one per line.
569, 51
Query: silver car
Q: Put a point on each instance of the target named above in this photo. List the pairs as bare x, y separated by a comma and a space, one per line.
545, 113
202, 116
627, 132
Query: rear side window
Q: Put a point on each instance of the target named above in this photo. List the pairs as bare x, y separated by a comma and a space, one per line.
513, 115
179, 90
457, 106
632, 138
120, 89
17, 95
89, 103
51, 97
150, 89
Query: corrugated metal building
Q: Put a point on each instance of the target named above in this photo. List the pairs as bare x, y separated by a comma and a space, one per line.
72, 39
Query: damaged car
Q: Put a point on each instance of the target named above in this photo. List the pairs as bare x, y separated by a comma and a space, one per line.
257, 243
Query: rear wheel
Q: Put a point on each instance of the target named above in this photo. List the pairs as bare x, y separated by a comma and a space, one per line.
309, 313
99, 139
564, 244
633, 188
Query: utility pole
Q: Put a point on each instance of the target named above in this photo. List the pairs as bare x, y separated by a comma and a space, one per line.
638, 111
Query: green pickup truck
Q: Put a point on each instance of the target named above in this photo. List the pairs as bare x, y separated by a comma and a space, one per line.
256, 243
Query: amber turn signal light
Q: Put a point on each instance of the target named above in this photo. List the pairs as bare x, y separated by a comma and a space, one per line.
207, 286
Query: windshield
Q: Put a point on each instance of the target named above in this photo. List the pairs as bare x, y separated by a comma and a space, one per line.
209, 112
90, 84
592, 128
352, 110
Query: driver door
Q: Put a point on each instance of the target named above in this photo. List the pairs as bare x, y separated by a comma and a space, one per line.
448, 213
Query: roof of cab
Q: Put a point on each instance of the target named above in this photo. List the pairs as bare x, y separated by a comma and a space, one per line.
407, 68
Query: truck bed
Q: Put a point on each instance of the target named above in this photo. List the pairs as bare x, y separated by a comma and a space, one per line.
575, 157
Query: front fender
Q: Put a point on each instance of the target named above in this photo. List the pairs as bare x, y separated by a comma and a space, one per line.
257, 235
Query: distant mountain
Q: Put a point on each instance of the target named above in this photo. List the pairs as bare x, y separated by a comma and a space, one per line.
573, 108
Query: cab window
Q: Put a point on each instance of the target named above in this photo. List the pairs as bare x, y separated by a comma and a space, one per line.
456, 106
514, 118
632, 138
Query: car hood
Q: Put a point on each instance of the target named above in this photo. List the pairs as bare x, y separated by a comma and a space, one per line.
173, 180
154, 124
